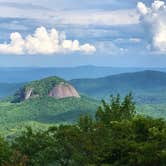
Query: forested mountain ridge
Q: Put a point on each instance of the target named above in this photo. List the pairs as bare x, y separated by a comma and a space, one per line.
145, 83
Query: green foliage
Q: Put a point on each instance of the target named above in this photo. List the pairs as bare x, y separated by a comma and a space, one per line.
116, 110
38, 146
116, 137
43, 112
4, 151
43, 87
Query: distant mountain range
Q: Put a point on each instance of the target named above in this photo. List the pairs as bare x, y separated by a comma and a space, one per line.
147, 86
8, 89
17, 75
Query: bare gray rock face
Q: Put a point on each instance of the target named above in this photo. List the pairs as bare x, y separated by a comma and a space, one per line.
59, 91
28, 94
63, 90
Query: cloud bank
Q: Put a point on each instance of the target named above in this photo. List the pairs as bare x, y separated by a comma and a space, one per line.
43, 41
70, 12
154, 19
97, 17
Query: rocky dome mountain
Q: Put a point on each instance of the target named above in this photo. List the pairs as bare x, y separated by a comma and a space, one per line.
52, 86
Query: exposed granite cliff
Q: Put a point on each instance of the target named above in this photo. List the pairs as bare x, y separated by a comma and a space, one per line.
63, 90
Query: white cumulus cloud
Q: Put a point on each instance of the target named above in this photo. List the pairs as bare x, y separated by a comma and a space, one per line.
43, 41
154, 19
142, 8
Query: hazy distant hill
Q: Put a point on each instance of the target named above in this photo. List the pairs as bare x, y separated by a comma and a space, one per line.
146, 85
7, 89
29, 74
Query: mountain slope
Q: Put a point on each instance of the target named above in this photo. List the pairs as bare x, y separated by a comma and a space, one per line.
44, 102
44, 111
140, 83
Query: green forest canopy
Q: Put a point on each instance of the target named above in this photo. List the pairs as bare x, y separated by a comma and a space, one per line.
117, 136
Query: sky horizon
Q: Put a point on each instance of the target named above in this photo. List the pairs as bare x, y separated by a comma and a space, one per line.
60, 33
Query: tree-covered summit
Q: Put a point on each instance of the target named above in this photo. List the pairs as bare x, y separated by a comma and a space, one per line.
43, 86
39, 88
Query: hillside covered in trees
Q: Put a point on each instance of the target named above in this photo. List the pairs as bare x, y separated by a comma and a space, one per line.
43, 103
147, 86
116, 136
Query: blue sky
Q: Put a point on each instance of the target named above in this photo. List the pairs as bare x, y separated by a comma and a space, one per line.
93, 32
